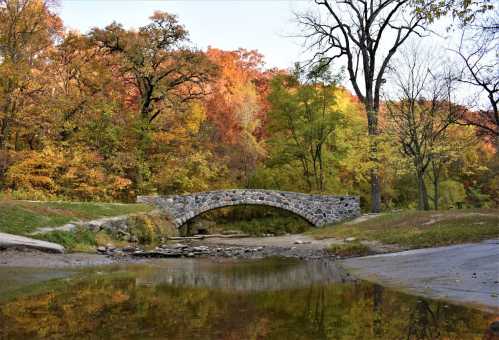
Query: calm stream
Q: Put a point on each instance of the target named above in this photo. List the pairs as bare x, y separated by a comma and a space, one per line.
201, 299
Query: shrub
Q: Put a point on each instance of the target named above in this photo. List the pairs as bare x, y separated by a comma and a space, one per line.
150, 228
349, 249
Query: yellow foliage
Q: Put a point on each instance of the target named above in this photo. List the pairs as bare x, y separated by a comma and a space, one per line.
55, 173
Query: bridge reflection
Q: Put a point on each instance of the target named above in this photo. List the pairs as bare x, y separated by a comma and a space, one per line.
262, 275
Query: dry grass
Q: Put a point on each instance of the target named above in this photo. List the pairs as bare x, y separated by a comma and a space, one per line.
419, 229
349, 249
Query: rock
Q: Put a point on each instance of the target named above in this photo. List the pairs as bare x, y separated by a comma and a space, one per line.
118, 253
15, 241
101, 249
123, 235
110, 246
350, 239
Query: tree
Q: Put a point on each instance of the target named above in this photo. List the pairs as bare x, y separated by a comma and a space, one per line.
164, 74
303, 121
465, 11
360, 31
421, 113
236, 107
477, 51
28, 29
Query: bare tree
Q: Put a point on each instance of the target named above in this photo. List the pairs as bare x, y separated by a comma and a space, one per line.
479, 52
367, 34
420, 113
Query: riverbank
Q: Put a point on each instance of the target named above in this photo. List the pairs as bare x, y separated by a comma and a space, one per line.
30, 258
406, 230
466, 274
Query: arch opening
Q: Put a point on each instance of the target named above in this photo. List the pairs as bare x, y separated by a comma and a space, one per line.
252, 219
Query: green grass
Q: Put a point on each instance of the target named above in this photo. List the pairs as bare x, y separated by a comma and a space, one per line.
349, 249
23, 217
417, 229
277, 225
77, 240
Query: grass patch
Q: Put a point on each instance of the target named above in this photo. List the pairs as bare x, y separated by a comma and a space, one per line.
349, 249
420, 229
77, 240
23, 217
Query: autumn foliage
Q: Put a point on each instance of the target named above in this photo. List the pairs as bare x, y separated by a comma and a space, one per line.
112, 113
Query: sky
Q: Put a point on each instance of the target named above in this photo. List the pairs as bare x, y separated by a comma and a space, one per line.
264, 25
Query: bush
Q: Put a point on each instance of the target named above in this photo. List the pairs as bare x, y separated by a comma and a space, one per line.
150, 228
349, 249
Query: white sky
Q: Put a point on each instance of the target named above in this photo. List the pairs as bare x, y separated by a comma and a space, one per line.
263, 25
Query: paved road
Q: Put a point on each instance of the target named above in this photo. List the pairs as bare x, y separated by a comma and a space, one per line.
466, 274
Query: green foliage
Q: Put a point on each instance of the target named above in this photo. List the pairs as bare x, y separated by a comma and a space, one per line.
79, 239
23, 217
303, 119
266, 225
453, 193
253, 220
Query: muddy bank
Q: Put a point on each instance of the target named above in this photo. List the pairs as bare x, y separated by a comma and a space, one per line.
106, 256
38, 259
466, 274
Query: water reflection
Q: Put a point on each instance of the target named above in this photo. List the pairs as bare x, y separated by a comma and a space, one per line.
232, 301
272, 274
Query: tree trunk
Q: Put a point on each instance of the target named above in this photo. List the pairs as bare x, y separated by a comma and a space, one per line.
423, 203
436, 189
436, 185
372, 121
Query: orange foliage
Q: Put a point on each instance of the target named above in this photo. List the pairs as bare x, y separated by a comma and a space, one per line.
239, 94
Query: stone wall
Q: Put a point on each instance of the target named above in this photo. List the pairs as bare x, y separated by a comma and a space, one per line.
317, 209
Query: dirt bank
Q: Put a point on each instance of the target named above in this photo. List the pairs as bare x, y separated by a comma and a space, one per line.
38, 259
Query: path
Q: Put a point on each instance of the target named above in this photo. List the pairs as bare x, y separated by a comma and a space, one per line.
467, 273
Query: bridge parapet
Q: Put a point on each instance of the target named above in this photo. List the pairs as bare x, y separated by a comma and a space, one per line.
317, 209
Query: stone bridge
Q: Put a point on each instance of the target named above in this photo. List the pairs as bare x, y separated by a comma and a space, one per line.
316, 209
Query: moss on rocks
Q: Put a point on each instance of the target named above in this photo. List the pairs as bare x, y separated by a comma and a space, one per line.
149, 228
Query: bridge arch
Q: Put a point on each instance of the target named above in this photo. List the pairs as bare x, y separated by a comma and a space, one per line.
316, 209
308, 217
